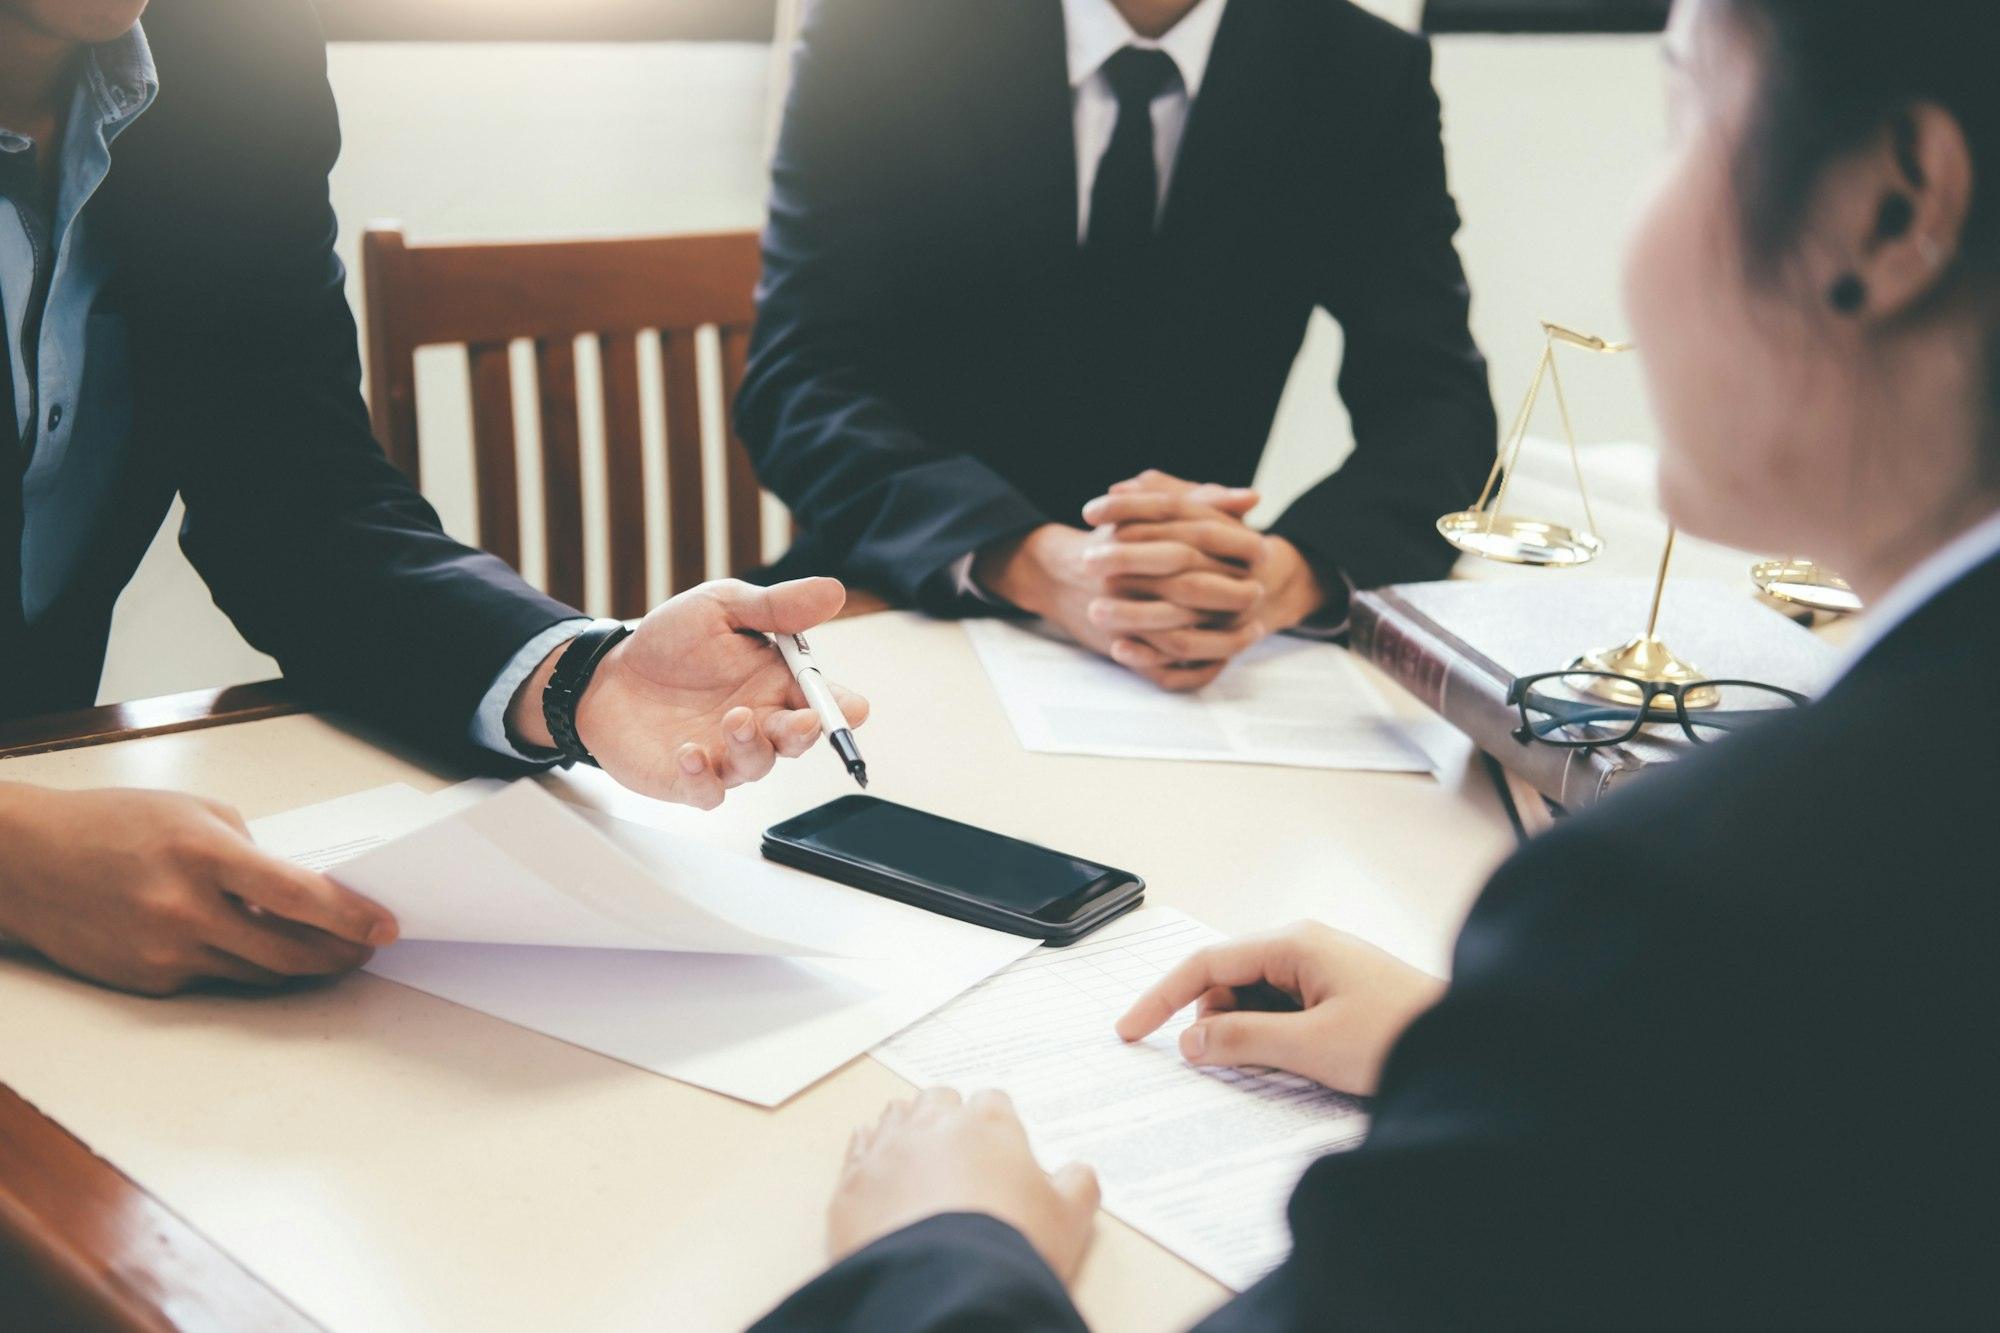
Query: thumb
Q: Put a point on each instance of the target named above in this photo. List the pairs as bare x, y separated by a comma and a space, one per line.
782, 608
1078, 1188
1246, 1038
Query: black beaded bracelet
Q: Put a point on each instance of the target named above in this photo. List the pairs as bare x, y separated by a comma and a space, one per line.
569, 680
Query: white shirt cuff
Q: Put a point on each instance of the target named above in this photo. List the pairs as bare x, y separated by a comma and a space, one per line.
489, 724
965, 585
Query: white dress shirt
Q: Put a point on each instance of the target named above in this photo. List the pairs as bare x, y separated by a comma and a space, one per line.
1958, 558
1095, 32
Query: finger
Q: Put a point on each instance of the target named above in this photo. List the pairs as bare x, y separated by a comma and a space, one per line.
1162, 507
852, 706
695, 782
992, 1103
228, 814
747, 755
1153, 479
1216, 1000
1236, 501
1224, 594
1112, 560
935, 1102
1124, 615
782, 608
282, 947
1245, 962
1150, 662
1225, 541
1205, 645
301, 895
221, 966
791, 733
1078, 1187
1277, 1040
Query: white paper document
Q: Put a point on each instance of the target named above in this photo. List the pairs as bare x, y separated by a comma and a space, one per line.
1203, 1161
1286, 701
667, 954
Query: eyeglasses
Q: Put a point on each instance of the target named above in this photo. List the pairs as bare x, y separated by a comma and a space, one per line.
1581, 710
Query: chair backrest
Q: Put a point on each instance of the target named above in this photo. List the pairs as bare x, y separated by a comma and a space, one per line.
485, 297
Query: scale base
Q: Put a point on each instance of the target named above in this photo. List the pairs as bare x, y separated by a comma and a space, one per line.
1646, 659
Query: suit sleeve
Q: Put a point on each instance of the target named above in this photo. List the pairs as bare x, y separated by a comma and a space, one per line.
322, 553
1414, 382
958, 1273
894, 508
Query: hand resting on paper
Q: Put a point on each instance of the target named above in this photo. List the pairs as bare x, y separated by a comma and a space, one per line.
696, 701
1354, 1003
154, 892
938, 1154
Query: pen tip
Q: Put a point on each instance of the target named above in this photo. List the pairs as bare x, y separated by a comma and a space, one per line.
861, 776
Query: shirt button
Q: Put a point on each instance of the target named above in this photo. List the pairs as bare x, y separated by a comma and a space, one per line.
55, 417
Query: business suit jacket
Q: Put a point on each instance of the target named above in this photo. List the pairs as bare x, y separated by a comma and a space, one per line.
934, 368
1715, 1055
246, 400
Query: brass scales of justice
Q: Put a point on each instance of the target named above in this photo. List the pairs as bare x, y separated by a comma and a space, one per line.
1487, 531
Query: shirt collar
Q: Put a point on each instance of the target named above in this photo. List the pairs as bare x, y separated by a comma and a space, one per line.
117, 81
120, 78
1958, 558
1096, 31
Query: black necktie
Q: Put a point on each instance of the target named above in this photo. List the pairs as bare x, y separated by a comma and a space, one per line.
1125, 198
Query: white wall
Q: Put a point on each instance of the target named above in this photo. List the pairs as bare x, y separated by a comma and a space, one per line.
1549, 140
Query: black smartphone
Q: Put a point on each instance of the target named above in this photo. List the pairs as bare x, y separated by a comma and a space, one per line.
955, 869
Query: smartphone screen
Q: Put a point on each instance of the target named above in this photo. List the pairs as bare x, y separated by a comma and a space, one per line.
1006, 872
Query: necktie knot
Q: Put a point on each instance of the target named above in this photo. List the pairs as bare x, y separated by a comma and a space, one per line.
1138, 75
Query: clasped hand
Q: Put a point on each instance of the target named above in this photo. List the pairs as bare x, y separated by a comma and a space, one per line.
1170, 581
1348, 1003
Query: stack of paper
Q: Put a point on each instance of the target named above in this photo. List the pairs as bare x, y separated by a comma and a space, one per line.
1202, 1161
1286, 701
716, 969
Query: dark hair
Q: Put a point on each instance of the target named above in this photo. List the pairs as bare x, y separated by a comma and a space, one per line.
1839, 72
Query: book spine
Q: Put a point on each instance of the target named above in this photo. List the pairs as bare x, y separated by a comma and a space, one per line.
1405, 645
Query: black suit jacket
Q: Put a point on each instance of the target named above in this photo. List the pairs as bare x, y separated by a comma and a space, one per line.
247, 402
932, 370
1715, 1055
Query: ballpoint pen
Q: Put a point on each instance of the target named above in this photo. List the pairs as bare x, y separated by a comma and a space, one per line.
798, 657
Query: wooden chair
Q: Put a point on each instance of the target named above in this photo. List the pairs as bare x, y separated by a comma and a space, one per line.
486, 296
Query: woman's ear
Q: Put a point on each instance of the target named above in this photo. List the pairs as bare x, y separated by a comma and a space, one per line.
1891, 217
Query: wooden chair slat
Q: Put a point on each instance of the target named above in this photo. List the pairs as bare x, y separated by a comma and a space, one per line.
562, 467
687, 508
495, 468
624, 474
744, 495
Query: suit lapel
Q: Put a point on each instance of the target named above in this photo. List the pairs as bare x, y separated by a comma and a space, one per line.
1023, 139
1231, 156
12, 628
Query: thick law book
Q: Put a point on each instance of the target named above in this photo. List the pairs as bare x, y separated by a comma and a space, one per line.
1458, 647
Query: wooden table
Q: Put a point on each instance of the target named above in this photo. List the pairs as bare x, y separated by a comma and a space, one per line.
387, 1160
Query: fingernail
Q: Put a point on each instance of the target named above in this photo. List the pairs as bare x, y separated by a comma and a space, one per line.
1193, 1042
381, 934
691, 762
746, 731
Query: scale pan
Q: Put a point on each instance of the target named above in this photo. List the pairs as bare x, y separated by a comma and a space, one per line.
1519, 541
1802, 583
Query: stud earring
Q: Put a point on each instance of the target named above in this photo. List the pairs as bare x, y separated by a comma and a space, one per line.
1848, 295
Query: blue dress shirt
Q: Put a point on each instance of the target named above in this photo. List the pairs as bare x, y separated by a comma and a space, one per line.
69, 358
